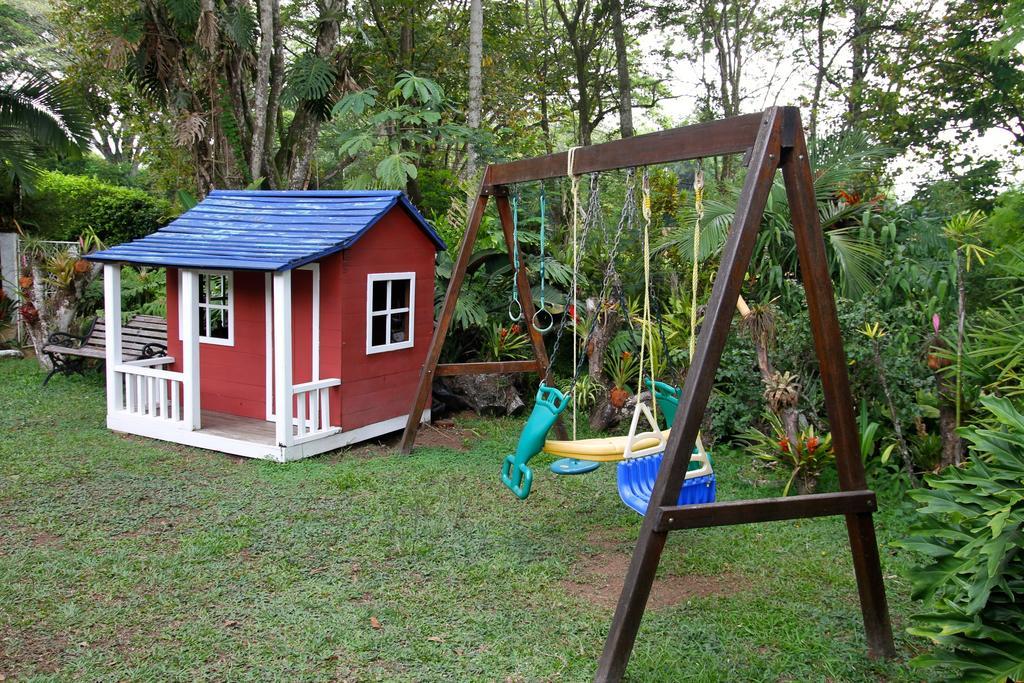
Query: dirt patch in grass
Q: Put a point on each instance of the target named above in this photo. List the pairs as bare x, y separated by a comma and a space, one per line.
598, 577
31, 652
45, 540
444, 434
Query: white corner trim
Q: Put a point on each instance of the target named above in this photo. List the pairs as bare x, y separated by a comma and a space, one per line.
112, 315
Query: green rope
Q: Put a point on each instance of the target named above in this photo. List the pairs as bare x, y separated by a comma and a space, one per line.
543, 230
515, 260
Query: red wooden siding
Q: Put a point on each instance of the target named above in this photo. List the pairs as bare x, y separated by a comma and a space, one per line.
380, 386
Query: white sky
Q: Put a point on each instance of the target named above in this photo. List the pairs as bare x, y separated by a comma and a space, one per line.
784, 82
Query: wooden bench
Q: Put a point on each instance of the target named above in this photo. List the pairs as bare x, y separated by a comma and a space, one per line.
144, 336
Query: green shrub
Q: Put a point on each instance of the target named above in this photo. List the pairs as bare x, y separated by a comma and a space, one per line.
64, 206
972, 533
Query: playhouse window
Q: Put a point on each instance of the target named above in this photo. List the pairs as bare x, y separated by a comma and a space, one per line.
215, 304
389, 311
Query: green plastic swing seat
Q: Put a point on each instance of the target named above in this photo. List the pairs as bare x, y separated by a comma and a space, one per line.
515, 472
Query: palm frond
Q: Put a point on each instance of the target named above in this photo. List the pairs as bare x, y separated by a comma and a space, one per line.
858, 260
47, 111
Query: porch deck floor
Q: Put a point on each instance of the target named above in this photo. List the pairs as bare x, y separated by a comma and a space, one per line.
238, 427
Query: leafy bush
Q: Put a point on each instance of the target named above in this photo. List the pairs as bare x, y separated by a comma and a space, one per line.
737, 402
66, 206
972, 533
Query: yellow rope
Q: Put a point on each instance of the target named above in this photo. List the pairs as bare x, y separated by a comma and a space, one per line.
646, 331
698, 206
574, 183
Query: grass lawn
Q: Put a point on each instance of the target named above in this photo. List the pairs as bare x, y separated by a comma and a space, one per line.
123, 558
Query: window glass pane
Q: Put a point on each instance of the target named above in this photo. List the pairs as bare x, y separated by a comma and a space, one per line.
378, 330
399, 327
204, 284
218, 323
202, 321
399, 293
218, 287
380, 295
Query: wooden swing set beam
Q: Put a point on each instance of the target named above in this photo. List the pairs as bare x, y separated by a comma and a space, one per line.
771, 141
725, 136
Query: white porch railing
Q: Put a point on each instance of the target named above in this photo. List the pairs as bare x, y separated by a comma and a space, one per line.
152, 393
313, 409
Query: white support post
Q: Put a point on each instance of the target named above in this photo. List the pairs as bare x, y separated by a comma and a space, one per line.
112, 316
316, 322
283, 357
268, 322
190, 347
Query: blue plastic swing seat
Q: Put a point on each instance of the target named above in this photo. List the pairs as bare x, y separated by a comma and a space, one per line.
636, 481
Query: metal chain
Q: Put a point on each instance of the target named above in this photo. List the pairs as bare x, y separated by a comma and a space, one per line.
626, 218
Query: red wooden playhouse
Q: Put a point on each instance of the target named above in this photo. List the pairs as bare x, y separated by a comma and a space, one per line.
297, 322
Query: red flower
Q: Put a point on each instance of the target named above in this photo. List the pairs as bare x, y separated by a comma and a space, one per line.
813, 443
784, 445
626, 355
502, 333
850, 198
29, 314
572, 312
515, 329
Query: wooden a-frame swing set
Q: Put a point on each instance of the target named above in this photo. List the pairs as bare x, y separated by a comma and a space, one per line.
771, 141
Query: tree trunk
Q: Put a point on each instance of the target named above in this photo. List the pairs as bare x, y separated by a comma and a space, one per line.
819, 72
603, 334
295, 155
858, 61
263, 118
625, 84
583, 86
476, 37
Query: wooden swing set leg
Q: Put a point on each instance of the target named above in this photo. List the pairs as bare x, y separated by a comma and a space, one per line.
426, 382
696, 390
430, 365
780, 143
835, 380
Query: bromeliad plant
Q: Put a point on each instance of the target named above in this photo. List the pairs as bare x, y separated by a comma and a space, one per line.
621, 368
972, 538
505, 343
53, 283
806, 458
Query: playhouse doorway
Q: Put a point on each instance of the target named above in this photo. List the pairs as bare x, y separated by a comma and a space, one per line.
305, 311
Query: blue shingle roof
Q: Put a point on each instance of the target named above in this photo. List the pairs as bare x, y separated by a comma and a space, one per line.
264, 230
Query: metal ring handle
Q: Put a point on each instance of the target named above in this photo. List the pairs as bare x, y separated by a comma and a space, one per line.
551, 320
518, 316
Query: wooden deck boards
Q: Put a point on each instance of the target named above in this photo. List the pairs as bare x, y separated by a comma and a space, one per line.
237, 427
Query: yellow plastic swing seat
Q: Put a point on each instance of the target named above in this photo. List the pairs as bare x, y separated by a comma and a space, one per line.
606, 449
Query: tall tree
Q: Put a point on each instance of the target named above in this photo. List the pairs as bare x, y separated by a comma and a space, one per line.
215, 72
476, 43
625, 83
947, 82
587, 27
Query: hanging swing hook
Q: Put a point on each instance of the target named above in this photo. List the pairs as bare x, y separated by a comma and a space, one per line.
518, 307
536, 316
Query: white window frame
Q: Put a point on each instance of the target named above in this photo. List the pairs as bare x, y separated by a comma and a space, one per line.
230, 307
388, 311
